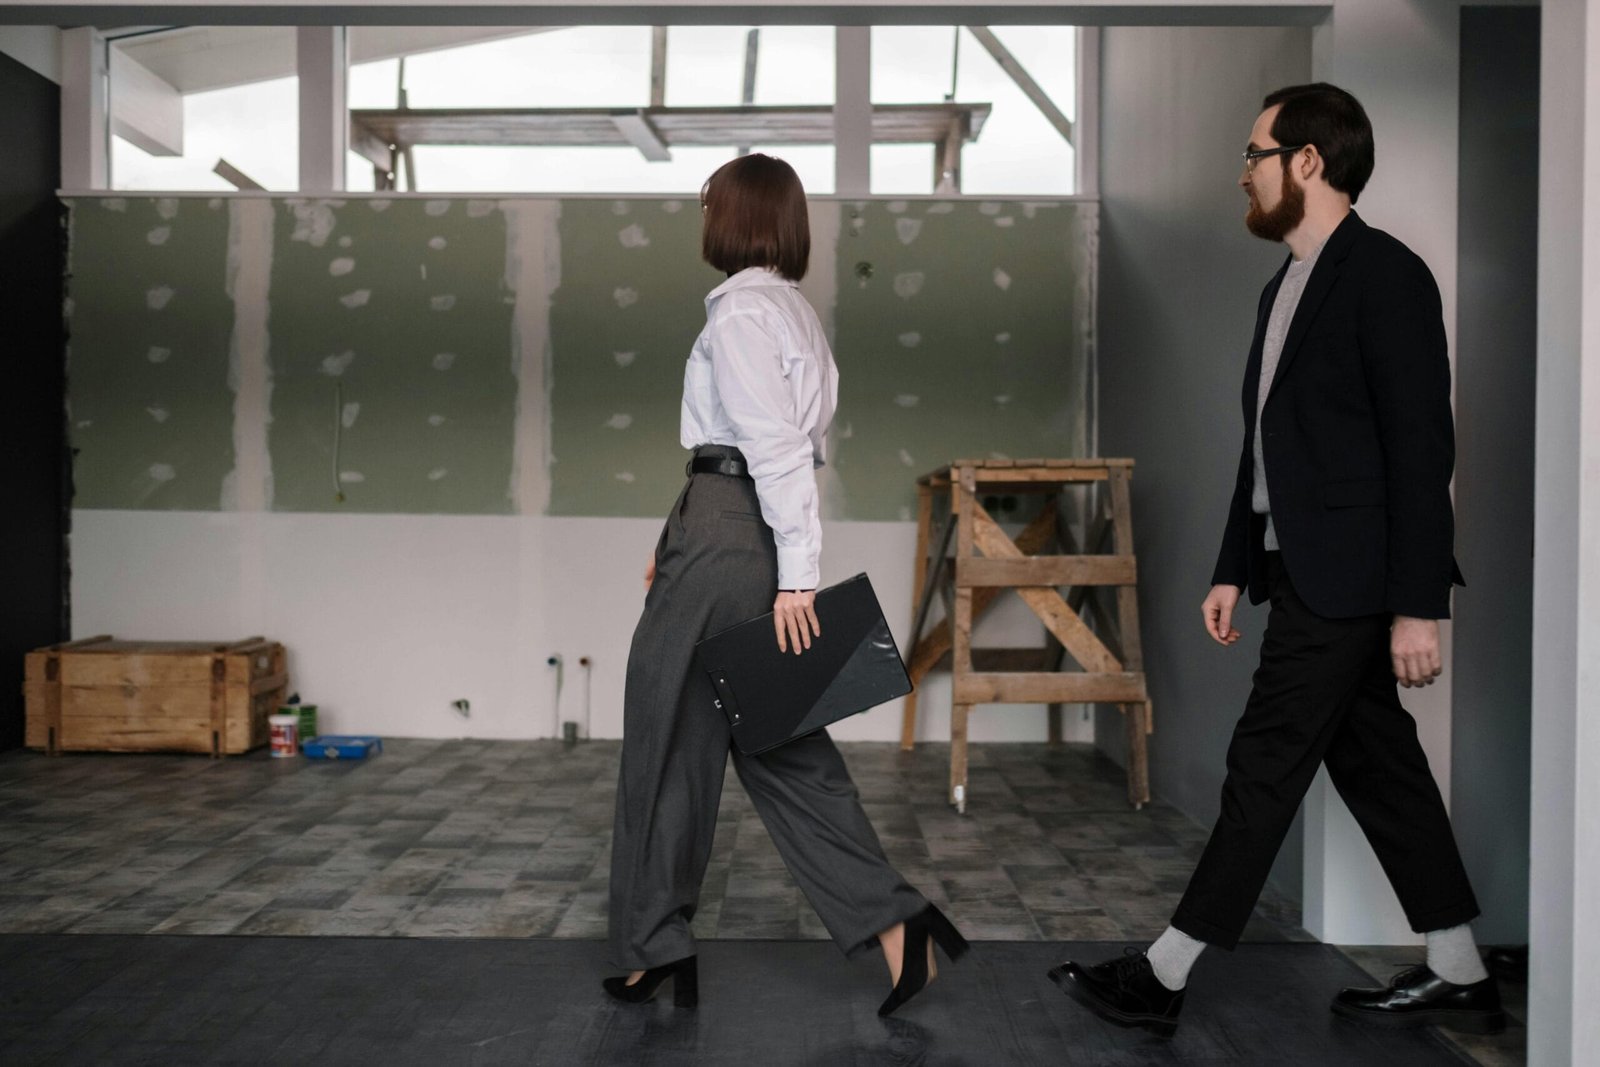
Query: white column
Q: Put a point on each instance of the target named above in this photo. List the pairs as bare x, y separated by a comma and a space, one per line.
84, 132
852, 111
1402, 61
324, 113
1086, 123
1564, 876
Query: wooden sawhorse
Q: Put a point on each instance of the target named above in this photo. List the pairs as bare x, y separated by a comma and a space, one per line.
1108, 658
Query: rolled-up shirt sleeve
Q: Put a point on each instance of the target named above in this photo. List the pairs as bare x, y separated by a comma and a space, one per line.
747, 369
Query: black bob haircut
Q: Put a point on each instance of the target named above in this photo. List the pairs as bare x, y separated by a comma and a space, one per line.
1330, 118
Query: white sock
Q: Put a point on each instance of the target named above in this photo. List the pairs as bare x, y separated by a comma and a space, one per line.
1173, 954
1453, 955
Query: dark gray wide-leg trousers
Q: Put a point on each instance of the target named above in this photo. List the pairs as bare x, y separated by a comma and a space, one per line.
716, 565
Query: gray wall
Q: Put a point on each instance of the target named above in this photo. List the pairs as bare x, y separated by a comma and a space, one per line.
1495, 384
1179, 281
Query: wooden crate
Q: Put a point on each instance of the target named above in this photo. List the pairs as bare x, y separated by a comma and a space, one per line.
104, 695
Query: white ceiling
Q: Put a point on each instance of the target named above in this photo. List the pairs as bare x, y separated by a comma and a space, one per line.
195, 58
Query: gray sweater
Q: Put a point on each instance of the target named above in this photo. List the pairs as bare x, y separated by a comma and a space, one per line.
1283, 308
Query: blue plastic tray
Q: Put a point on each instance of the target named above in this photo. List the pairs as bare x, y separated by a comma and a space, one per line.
339, 746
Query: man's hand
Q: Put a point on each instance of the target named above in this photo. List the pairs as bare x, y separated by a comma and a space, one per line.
1414, 648
1218, 612
795, 618
650, 571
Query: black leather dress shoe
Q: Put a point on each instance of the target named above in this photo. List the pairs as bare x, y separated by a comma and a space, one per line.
1125, 991
1509, 963
1418, 997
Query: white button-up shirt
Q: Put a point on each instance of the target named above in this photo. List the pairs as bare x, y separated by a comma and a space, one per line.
761, 377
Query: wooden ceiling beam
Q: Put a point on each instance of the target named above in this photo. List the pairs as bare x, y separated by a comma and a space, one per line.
615, 127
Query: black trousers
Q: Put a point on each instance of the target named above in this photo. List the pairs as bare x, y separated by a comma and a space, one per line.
1325, 692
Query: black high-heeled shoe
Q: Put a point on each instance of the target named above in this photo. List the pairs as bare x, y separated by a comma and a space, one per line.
685, 975
929, 922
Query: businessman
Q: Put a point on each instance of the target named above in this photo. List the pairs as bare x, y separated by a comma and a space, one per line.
1341, 517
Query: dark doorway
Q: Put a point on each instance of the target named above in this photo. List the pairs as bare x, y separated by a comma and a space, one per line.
1495, 379
33, 474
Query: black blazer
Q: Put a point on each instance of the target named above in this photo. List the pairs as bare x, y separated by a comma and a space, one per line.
1357, 438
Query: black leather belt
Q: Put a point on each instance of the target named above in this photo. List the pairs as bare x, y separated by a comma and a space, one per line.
733, 465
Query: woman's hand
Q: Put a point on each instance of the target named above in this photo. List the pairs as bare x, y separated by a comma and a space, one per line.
650, 571
795, 618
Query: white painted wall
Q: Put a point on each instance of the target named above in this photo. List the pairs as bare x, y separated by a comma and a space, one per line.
388, 618
1564, 883
36, 47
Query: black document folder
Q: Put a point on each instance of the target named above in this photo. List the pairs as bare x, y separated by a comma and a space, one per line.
771, 697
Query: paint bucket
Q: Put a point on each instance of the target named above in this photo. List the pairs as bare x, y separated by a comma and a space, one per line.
285, 734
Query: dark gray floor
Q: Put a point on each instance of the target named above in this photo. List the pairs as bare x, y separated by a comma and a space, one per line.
512, 839
112, 999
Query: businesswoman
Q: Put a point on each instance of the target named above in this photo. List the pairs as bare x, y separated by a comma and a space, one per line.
743, 538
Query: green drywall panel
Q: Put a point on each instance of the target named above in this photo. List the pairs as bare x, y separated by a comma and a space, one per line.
149, 322
404, 306
629, 306
392, 318
962, 331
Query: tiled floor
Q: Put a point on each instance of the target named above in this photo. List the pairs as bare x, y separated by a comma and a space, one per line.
511, 838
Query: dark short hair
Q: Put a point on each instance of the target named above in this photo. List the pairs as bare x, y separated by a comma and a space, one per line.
1330, 118
755, 216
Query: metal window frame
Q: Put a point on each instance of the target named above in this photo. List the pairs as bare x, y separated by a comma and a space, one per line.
86, 106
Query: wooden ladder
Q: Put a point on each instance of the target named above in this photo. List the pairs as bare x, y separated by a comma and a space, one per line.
1107, 662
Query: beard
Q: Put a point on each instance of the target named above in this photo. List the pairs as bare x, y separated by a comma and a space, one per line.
1276, 224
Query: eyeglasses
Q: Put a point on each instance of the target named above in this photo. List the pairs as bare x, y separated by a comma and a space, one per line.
1253, 154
